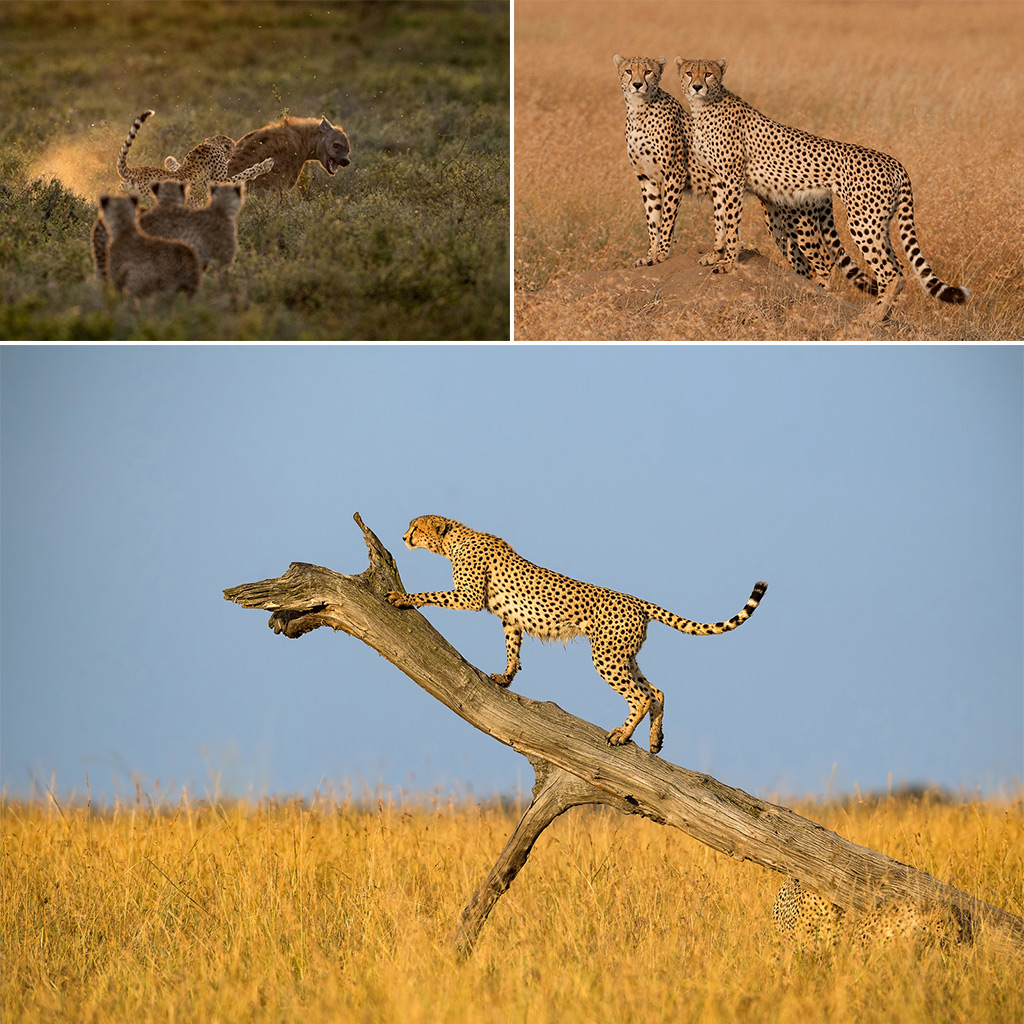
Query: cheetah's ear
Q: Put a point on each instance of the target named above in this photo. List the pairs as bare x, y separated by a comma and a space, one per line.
661, 61
618, 59
680, 62
722, 65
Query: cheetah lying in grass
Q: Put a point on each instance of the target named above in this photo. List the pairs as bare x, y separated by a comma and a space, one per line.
814, 923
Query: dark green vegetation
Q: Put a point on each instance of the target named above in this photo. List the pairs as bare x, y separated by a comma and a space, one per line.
410, 241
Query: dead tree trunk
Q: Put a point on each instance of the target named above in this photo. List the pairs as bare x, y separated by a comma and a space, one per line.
574, 765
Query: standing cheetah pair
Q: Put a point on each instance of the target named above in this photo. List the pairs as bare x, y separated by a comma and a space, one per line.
725, 148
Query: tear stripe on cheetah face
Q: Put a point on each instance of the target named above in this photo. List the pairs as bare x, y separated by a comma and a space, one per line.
659, 143
528, 598
750, 152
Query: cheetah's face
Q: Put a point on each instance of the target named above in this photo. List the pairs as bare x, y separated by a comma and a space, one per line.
701, 78
638, 76
426, 532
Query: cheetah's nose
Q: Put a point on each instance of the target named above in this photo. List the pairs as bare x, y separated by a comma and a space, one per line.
638, 85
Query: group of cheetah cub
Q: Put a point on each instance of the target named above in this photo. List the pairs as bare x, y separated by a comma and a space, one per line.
723, 148
167, 247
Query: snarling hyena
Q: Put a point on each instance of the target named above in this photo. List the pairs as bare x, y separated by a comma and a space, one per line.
291, 142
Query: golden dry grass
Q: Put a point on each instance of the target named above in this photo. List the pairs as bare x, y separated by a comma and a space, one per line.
238, 912
937, 85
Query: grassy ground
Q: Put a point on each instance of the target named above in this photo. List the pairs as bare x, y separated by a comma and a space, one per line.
888, 76
409, 241
234, 912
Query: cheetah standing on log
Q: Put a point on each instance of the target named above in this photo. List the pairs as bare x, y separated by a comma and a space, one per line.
751, 152
530, 599
659, 141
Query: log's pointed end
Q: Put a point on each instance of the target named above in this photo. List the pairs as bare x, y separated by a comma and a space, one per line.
382, 563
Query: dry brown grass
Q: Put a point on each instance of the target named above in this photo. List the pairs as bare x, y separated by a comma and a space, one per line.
937, 85
232, 912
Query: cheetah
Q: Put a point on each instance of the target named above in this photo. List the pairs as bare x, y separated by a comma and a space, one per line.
751, 152
139, 264
815, 923
659, 142
527, 598
204, 163
219, 147
291, 142
211, 231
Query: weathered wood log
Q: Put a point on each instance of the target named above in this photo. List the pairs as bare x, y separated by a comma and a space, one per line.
575, 765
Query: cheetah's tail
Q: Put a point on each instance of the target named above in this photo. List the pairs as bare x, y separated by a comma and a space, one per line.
707, 628
122, 159
918, 264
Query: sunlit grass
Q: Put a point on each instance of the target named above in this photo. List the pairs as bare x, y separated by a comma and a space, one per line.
344, 911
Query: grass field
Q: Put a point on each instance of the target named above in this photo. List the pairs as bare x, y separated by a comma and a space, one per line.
937, 85
409, 241
338, 912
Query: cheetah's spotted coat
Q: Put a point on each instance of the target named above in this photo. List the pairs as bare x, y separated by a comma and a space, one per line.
659, 142
527, 598
792, 168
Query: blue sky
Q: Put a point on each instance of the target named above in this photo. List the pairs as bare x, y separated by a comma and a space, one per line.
878, 490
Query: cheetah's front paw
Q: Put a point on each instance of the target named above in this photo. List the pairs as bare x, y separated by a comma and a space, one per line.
645, 261
618, 736
502, 680
399, 600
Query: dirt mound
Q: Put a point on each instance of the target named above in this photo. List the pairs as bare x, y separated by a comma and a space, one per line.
682, 300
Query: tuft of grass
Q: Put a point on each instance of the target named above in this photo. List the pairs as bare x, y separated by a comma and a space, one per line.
337, 911
410, 241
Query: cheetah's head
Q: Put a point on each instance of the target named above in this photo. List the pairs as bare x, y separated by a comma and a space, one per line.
427, 532
701, 79
638, 76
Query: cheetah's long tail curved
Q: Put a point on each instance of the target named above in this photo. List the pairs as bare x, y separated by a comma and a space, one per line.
918, 264
122, 157
659, 614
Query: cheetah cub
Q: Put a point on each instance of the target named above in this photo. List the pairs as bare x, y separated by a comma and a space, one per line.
139, 264
659, 143
212, 231
527, 598
751, 152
